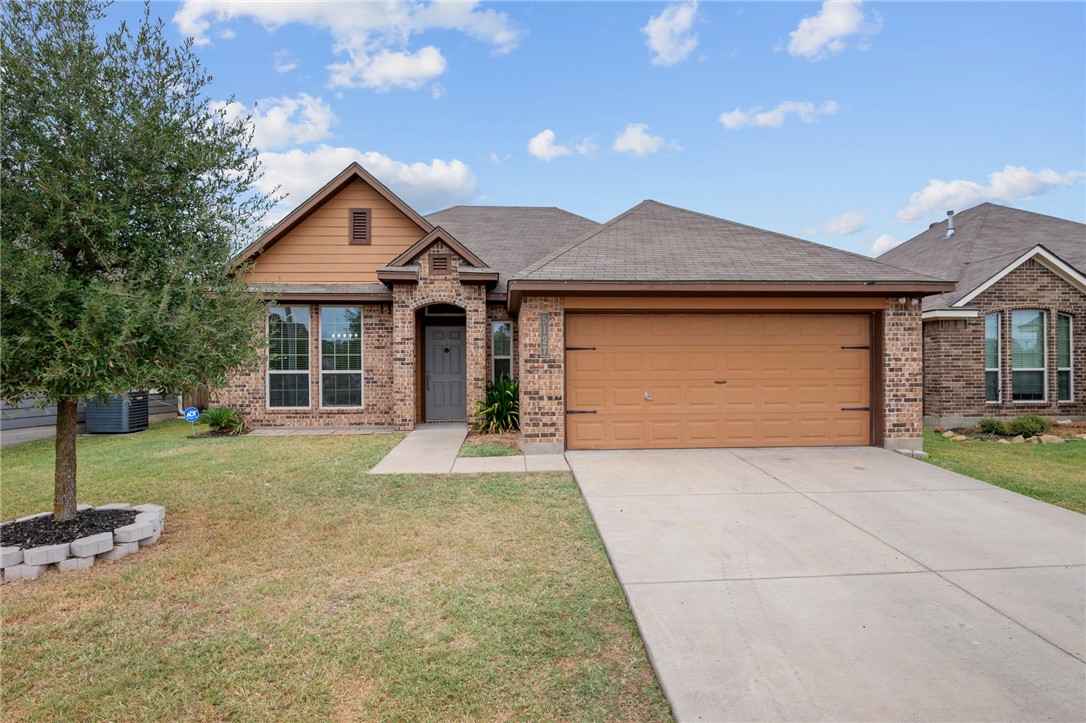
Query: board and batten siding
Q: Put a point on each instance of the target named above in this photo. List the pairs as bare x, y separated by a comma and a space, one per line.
317, 249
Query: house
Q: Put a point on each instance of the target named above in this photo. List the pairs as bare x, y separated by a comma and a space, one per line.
1010, 338
661, 328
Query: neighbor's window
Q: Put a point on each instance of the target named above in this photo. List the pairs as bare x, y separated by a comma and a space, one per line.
991, 358
1028, 374
1064, 390
341, 356
288, 356
501, 354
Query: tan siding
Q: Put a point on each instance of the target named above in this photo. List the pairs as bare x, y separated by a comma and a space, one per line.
317, 249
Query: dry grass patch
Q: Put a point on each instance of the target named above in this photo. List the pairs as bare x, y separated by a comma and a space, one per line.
503, 444
290, 584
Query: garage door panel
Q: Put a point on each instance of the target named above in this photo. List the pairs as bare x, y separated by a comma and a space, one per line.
787, 379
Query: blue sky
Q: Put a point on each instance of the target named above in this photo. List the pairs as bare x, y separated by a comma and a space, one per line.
851, 124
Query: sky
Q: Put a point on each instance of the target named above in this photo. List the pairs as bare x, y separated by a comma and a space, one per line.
853, 124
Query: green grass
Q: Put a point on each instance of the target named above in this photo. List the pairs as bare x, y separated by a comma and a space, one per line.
487, 449
291, 585
1053, 473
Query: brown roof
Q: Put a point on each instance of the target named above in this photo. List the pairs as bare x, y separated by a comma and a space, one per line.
986, 239
655, 242
510, 238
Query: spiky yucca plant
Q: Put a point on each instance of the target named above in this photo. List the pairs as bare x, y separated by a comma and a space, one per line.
499, 410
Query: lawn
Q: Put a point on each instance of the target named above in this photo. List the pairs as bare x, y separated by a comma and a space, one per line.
491, 445
290, 584
1053, 473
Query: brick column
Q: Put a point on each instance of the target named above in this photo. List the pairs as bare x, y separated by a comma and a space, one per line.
903, 375
542, 375
403, 357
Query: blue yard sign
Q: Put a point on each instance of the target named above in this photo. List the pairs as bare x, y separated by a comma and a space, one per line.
191, 415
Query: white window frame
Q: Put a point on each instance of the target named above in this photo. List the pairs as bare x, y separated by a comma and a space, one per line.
493, 351
361, 358
1070, 357
998, 369
1043, 370
309, 353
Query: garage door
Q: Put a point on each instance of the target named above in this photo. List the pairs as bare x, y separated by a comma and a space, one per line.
669, 381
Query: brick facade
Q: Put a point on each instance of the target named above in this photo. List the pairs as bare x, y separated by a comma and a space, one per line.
542, 374
902, 365
247, 391
954, 350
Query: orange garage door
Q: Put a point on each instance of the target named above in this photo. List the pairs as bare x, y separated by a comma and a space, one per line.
667, 381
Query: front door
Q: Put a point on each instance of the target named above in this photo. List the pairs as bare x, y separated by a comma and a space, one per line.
446, 375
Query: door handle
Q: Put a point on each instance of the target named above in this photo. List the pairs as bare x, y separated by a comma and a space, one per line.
427, 379
647, 397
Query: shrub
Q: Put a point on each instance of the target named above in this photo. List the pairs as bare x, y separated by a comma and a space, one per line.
1029, 425
992, 426
499, 411
224, 419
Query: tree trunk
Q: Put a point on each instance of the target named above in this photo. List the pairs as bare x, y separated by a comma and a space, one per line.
64, 477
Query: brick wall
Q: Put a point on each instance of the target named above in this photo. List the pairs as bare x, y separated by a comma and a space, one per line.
954, 350
542, 375
432, 289
247, 390
902, 375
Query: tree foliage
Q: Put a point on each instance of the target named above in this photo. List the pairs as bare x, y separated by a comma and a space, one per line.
123, 192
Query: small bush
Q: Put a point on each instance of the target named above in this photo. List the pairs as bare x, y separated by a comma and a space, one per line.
992, 426
224, 419
1029, 425
499, 411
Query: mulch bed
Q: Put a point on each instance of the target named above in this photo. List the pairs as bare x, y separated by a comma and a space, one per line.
45, 531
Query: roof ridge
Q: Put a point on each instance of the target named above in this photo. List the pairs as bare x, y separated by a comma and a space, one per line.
574, 244
797, 238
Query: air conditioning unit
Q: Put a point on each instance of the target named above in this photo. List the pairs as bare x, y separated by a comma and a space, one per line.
117, 415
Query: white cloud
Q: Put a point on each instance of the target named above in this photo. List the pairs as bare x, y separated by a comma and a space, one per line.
669, 35
635, 139
281, 122
1013, 183
284, 62
437, 90
806, 111
424, 186
543, 146
843, 225
825, 34
587, 146
373, 36
883, 244
388, 69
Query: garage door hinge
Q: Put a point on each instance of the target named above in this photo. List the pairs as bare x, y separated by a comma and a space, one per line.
855, 347
855, 409
580, 411
580, 348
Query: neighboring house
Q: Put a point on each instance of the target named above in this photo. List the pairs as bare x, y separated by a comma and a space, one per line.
1010, 338
660, 328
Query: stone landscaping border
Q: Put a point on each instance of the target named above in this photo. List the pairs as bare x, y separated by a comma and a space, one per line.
30, 563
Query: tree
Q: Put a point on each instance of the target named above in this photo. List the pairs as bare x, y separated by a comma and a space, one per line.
123, 192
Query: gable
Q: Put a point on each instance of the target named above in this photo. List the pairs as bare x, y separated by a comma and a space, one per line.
317, 248
1030, 282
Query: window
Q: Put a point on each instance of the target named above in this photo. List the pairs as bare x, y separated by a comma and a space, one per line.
288, 356
992, 391
1028, 356
341, 356
358, 226
1064, 390
501, 350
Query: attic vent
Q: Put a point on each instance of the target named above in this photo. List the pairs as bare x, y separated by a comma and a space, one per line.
358, 226
439, 264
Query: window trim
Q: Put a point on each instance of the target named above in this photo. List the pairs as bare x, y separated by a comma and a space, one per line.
268, 371
361, 359
1042, 369
494, 356
1070, 369
998, 369
366, 240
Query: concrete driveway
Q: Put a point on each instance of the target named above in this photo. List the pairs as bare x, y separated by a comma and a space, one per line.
846, 584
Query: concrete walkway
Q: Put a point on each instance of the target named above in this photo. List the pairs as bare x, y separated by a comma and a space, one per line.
843, 584
433, 449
